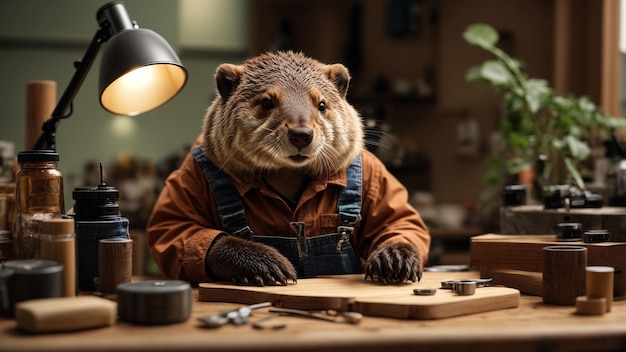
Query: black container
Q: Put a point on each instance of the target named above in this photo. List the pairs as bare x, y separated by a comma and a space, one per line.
595, 236
514, 195
154, 301
22, 280
569, 231
96, 217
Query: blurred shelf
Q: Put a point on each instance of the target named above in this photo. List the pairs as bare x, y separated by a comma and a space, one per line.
455, 233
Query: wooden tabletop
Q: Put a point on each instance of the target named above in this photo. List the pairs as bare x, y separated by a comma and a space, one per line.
532, 326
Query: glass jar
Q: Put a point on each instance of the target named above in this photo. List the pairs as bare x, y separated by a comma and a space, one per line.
38, 196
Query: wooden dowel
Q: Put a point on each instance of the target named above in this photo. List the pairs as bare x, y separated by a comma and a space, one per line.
600, 283
41, 99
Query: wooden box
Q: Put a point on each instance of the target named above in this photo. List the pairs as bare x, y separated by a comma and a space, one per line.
517, 260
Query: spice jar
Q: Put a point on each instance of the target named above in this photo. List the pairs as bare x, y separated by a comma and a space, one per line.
58, 243
38, 196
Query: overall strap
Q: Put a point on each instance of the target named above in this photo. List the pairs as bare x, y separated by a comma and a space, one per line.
349, 203
229, 204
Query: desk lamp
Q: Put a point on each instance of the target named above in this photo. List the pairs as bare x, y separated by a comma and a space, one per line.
139, 71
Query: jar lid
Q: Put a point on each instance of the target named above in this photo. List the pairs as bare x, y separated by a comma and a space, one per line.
96, 203
33, 266
58, 226
37, 155
96, 193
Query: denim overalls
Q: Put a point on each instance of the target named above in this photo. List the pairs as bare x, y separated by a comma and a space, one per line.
329, 254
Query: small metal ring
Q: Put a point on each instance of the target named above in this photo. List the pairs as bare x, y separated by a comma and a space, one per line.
447, 284
465, 287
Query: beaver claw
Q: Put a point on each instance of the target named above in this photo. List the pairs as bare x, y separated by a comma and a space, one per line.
394, 263
232, 259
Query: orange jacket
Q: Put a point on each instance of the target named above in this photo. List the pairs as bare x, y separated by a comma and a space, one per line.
185, 220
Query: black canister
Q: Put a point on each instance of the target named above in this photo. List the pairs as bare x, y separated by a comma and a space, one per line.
154, 301
22, 280
96, 217
514, 195
569, 231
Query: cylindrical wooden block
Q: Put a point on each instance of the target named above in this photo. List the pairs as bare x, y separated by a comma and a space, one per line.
600, 283
115, 263
41, 98
58, 243
590, 306
563, 274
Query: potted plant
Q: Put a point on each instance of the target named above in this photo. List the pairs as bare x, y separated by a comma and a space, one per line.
537, 124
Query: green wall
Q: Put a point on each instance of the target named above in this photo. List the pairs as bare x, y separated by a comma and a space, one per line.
40, 40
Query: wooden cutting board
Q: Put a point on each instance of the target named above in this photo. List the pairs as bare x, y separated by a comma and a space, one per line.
352, 293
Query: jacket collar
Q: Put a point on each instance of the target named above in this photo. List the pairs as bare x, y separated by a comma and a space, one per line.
244, 186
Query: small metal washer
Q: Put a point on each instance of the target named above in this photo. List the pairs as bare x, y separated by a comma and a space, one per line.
425, 291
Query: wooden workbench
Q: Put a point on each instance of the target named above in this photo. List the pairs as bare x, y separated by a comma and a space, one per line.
532, 326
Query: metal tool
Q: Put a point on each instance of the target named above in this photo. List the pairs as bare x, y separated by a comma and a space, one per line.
348, 317
238, 316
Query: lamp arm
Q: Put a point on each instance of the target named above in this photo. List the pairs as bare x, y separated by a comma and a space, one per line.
47, 139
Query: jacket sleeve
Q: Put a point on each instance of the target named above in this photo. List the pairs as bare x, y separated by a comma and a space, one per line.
387, 214
182, 225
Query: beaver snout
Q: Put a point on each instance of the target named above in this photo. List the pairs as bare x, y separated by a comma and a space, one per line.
300, 136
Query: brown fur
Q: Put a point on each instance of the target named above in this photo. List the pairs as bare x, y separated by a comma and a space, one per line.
284, 117
245, 139
248, 263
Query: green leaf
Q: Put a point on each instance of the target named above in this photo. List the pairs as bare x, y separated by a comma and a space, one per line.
515, 165
537, 91
482, 35
473, 74
573, 171
578, 149
496, 73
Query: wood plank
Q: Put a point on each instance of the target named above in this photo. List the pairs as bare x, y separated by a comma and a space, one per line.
352, 293
528, 282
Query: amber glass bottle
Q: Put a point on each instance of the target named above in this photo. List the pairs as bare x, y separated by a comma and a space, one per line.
38, 196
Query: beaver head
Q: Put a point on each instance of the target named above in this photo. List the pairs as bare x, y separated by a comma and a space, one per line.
282, 111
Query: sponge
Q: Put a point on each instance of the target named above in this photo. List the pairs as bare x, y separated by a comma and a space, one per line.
65, 314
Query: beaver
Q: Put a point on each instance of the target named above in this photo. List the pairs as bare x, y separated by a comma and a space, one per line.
282, 131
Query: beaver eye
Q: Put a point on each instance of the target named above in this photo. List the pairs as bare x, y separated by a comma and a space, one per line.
267, 103
321, 106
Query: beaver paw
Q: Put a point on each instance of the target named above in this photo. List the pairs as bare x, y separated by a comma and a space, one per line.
394, 263
244, 262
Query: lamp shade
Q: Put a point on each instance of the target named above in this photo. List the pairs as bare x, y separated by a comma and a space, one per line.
139, 72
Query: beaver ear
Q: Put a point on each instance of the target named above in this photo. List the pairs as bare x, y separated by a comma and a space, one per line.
227, 78
339, 75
